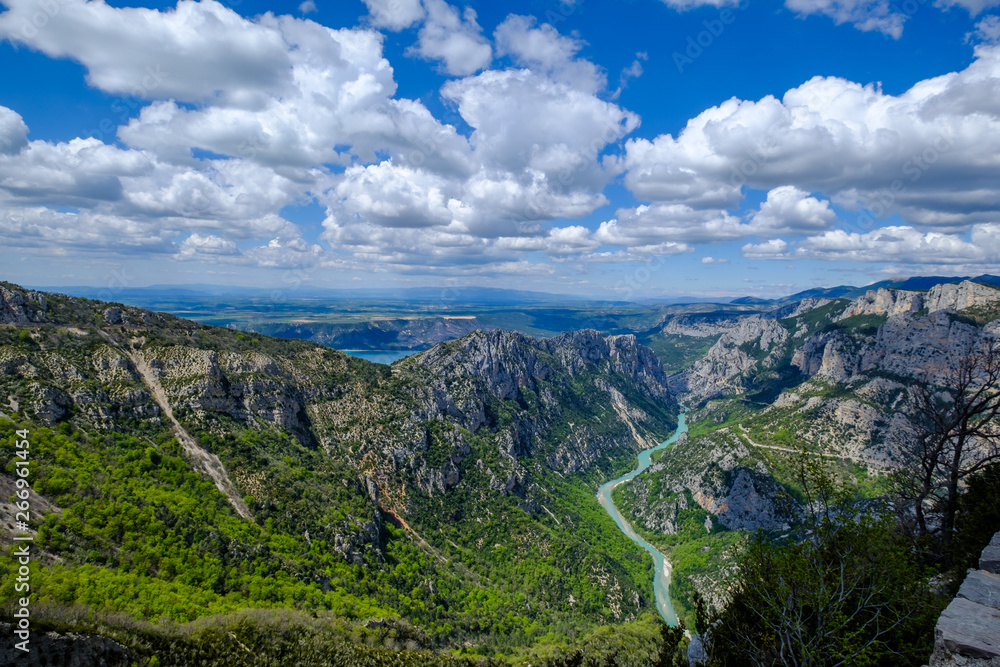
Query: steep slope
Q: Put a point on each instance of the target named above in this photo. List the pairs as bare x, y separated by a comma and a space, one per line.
454, 489
830, 377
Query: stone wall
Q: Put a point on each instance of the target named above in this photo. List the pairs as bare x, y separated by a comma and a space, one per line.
968, 632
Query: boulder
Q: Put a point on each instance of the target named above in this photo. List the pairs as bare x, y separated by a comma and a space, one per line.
970, 629
989, 560
982, 588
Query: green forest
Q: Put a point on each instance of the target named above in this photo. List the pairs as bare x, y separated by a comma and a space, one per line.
144, 535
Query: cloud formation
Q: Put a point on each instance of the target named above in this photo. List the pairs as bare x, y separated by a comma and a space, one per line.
395, 15
872, 153
900, 244
243, 117
789, 210
865, 15
456, 41
194, 52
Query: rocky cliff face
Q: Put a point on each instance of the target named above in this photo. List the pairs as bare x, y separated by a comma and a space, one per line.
900, 303
749, 344
19, 307
884, 331
720, 475
569, 401
888, 302
462, 377
830, 375
905, 346
960, 297
700, 325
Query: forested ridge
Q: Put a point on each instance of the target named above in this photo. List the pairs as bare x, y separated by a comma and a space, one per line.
444, 505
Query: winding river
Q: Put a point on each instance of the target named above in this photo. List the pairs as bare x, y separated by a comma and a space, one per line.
661, 575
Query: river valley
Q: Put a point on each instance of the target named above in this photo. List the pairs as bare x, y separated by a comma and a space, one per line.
661, 575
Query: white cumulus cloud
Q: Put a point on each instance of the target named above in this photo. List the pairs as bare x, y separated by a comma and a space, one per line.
908, 154
789, 210
900, 243
865, 15
456, 41
190, 52
13, 132
395, 14
543, 50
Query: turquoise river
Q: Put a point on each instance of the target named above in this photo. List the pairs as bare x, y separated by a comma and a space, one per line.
661, 575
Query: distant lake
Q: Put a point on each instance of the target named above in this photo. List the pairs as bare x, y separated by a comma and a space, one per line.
380, 356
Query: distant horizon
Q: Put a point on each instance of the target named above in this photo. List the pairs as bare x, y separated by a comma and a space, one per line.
451, 293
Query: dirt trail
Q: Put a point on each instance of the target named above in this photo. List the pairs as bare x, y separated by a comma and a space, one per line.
208, 462
746, 435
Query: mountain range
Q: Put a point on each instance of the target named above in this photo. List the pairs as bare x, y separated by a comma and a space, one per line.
185, 471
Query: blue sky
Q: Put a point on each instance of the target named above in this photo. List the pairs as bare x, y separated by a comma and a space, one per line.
614, 148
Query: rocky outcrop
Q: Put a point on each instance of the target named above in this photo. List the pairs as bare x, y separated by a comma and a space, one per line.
968, 631
961, 296
921, 347
920, 337
710, 471
801, 307
466, 381
990, 558
700, 325
901, 303
749, 502
746, 346
626, 357
883, 301
502, 362
21, 307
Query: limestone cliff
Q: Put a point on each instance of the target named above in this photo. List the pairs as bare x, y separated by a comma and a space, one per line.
884, 331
